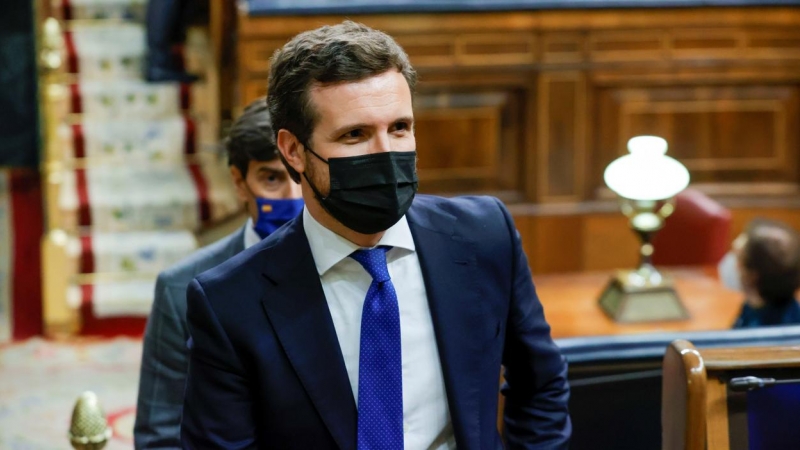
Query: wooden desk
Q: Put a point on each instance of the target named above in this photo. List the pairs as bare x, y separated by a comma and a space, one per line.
571, 308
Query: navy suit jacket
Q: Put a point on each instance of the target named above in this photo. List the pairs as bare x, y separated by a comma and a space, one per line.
265, 366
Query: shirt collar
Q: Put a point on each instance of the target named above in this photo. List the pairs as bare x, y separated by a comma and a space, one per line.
328, 248
251, 238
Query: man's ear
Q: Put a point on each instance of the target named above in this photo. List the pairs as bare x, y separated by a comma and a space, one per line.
291, 149
240, 184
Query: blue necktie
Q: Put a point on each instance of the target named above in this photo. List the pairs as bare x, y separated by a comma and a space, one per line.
380, 371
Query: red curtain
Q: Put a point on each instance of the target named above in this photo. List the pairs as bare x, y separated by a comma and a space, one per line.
27, 219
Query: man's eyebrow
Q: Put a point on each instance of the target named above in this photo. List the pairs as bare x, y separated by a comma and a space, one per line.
342, 130
409, 119
272, 169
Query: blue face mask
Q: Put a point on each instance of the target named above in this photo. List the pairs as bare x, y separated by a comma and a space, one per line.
272, 214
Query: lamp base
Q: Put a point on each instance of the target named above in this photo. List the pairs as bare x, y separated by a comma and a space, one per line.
626, 301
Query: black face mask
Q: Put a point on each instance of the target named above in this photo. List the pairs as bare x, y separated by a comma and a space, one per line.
369, 193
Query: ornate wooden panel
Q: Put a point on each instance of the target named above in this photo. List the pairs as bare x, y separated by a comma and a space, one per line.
561, 136
721, 133
563, 48
254, 56
467, 141
627, 46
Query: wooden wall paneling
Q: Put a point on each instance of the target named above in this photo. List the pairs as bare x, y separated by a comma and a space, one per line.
497, 49
529, 159
253, 89
715, 129
628, 46
254, 62
604, 144
663, 74
255, 55
526, 227
513, 151
561, 132
609, 243
741, 217
699, 44
466, 157
453, 89
430, 50
777, 44
721, 133
553, 20
465, 140
559, 244
222, 25
563, 48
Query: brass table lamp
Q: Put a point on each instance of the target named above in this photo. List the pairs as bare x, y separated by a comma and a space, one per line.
646, 181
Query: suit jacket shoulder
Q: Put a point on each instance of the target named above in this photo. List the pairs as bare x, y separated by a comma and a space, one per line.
226, 282
480, 219
208, 257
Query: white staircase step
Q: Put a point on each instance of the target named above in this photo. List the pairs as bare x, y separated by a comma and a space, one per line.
114, 298
167, 140
148, 197
137, 251
110, 52
133, 10
126, 99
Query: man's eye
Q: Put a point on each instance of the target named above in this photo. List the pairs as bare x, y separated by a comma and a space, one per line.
270, 179
401, 126
352, 134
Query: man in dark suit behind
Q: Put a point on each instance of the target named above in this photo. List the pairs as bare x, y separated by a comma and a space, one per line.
271, 199
386, 324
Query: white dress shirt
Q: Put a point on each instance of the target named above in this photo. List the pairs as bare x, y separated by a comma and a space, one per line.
426, 417
251, 238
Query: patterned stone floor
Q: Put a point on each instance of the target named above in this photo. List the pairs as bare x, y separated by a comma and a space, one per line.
40, 381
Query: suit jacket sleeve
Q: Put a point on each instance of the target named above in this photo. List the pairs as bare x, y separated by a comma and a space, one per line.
163, 371
218, 409
536, 389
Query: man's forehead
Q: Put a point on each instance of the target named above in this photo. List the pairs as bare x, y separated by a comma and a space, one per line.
388, 90
274, 165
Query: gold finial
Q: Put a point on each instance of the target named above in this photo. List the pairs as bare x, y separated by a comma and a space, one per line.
89, 428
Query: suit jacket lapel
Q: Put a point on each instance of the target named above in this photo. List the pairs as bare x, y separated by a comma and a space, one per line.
449, 270
298, 312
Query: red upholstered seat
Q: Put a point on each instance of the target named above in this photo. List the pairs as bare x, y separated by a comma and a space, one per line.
697, 233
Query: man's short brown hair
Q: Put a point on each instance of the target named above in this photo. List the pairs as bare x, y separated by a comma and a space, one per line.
772, 254
346, 52
251, 138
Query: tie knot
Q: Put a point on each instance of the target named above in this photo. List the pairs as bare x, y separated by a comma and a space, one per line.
374, 262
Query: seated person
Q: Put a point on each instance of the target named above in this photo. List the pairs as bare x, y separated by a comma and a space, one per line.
166, 24
764, 263
271, 199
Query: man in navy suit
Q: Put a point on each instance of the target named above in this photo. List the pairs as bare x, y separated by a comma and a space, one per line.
378, 319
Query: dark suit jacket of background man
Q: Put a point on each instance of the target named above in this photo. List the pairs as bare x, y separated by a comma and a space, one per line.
266, 369
165, 358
